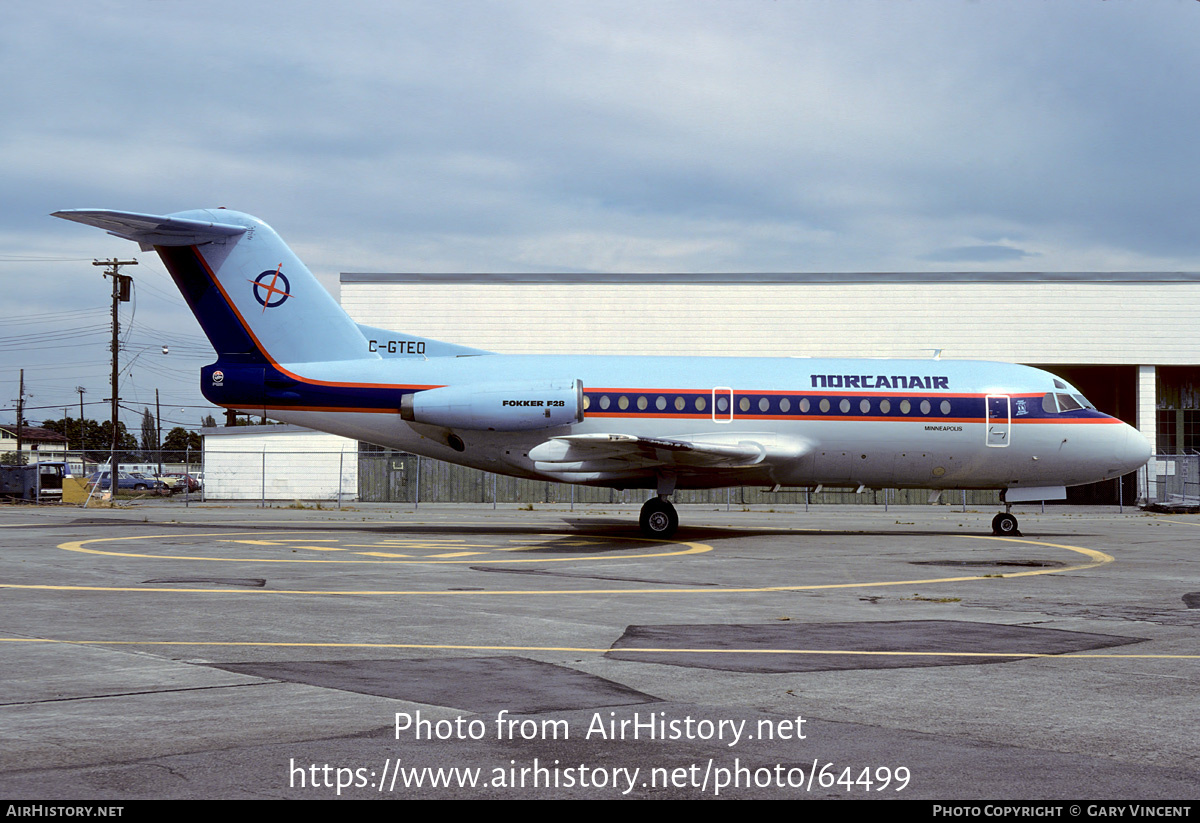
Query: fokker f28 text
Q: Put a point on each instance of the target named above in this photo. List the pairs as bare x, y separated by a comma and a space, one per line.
287, 350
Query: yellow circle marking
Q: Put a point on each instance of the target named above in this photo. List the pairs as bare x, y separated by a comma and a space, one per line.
1096, 558
390, 543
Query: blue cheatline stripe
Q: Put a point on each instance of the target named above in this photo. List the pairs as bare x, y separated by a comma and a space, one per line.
809, 405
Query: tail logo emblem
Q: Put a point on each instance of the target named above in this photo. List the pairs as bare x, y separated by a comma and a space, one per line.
273, 293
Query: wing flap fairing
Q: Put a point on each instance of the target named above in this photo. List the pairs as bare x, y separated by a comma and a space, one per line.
586, 454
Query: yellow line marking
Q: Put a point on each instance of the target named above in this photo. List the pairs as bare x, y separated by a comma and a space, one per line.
1099, 558
79, 546
585, 649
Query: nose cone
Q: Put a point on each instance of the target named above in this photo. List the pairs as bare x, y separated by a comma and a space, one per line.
1133, 450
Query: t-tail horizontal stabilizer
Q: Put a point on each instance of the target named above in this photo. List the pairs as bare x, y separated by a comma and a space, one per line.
151, 230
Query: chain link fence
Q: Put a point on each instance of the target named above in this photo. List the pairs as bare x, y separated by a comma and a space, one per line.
364, 474
1173, 479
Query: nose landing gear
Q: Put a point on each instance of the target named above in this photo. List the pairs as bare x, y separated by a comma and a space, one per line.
1005, 524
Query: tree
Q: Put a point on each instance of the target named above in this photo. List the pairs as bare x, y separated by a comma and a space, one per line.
81, 436
180, 439
125, 440
209, 422
96, 437
149, 431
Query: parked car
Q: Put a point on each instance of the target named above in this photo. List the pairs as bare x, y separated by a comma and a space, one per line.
178, 481
126, 482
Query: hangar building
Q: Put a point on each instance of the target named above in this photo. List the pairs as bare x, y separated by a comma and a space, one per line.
1128, 340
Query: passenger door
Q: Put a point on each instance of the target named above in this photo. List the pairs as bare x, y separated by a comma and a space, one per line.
999, 419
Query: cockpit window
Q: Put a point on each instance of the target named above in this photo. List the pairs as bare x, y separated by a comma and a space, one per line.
1055, 403
1067, 403
1058, 384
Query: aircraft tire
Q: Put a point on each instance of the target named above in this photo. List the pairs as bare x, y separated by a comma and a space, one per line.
659, 519
1004, 524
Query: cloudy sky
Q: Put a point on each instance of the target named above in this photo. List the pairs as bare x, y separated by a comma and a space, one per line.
747, 135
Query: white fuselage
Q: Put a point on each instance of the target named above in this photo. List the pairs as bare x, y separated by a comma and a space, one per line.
854, 438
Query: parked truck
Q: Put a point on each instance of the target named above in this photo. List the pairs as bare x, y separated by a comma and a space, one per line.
35, 482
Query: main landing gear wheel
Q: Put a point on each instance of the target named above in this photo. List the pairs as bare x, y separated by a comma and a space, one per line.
658, 518
1004, 524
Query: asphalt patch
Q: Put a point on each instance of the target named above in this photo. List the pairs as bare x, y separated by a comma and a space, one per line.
474, 684
614, 578
1192, 600
1038, 564
567, 546
256, 582
816, 647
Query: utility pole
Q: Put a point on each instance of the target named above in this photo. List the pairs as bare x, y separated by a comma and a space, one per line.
120, 294
81, 391
158, 436
20, 417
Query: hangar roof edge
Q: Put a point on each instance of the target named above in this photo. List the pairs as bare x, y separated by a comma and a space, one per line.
782, 278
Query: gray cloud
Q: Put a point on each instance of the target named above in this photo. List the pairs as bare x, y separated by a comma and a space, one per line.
682, 136
978, 254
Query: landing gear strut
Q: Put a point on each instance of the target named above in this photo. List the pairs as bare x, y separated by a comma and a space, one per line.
659, 519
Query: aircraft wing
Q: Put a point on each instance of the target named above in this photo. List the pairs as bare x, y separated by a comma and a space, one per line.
615, 452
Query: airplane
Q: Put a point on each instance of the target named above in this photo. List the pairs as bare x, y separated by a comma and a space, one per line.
287, 350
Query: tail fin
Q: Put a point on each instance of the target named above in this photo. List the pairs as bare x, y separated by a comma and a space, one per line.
253, 297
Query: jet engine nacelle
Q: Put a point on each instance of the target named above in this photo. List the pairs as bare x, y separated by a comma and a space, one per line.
506, 407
